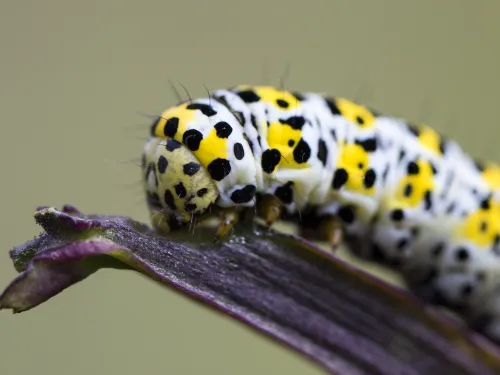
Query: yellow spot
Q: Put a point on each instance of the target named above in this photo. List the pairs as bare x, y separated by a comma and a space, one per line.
430, 139
482, 226
413, 187
356, 162
281, 99
492, 175
284, 138
211, 148
355, 113
180, 112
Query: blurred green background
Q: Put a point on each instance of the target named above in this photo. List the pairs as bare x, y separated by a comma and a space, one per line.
75, 78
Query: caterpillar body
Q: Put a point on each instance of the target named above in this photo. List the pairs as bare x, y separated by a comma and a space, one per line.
394, 192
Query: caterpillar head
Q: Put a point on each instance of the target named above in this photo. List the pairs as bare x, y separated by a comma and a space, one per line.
178, 188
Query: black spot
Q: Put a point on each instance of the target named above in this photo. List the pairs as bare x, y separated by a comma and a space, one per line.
180, 190
370, 178
496, 241
189, 207
302, 152
295, 122
427, 200
322, 151
402, 154
162, 164
298, 96
483, 227
412, 168
249, 96
415, 231
377, 254
442, 146
254, 122
202, 192
223, 129
250, 144
219, 168
259, 140
369, 145
346, 213
339, 178
433, 167
270, 159
397, 215
291, 143
401, 244
172, 145
169, 199
244, 195
462, 254
408, 190
192, 139
467, 289
437, 250
385, 174
206, 109
480, 276
282, 103
334, 134
479, 165
414, 130
360, 120
332, 107
238, 150
153, 200
171, 127
239, 116
485, 204
285, 193
191, 168
451, 208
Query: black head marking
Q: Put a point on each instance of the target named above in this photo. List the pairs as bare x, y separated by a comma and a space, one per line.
192, 139
243, 195
295, 122
219, 168
206, 109
270, 159
302, 152
223, 129
322, 151
339, 178
191, 168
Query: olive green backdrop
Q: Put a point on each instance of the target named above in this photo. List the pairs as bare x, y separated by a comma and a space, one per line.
75, 77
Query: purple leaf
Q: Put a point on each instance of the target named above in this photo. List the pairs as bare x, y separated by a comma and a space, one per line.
340, 317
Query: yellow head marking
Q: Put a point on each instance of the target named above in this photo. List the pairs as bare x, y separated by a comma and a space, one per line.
416, 186
355, 113
174, 122
355, 160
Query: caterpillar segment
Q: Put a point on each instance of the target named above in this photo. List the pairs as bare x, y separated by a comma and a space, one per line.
393, 192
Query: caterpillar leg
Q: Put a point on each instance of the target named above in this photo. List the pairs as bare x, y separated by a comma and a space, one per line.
330, 230
228, 218
269, 209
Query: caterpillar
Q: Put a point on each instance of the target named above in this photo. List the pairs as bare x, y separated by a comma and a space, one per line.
391, 191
